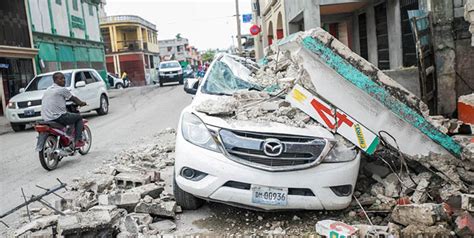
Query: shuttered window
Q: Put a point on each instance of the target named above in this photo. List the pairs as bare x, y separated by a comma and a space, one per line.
364, 51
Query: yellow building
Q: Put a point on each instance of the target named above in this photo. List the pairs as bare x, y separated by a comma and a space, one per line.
131, 46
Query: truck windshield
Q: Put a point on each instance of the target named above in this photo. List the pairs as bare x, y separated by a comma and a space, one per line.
44, 82
169, 65
227, 76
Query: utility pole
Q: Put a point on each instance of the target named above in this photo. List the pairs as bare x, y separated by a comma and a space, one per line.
239, 37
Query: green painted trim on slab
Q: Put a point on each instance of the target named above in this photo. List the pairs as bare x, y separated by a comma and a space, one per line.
71, 33
51, 18
363, 82
373, 146
29, 15
85, 23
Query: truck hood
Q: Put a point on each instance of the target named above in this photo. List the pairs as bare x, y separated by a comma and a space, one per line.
248, 125
28, 96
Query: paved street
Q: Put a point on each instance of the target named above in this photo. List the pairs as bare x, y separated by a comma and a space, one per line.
135, 113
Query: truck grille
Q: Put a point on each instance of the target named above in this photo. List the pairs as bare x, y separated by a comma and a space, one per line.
297, 152
25, 103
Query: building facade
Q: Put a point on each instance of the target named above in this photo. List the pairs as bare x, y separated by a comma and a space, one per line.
67, 34
174, 49
356, 23
16, 50
131, 46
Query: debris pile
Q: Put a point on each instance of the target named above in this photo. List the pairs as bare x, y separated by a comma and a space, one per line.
408, 190
123, 198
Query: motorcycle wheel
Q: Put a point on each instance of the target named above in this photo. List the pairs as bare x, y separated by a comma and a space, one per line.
87, 138
48, 160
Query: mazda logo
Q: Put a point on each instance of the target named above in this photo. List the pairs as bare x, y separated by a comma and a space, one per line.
272, 147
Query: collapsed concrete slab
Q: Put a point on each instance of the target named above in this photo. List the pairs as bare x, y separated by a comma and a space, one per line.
91, 223
352, 85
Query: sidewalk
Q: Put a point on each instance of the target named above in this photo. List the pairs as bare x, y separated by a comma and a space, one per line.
4, 125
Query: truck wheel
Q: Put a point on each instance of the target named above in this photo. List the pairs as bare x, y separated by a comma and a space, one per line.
181, 81
186, 200
161, 83
119, 86
18, 127
104, 106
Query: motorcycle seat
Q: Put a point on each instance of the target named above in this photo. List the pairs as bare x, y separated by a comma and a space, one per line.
52, 124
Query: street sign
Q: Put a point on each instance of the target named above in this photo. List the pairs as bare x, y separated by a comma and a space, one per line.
246, 18
254, 30
334, 119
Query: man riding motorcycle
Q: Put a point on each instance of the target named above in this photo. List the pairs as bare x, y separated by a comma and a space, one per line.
54, 107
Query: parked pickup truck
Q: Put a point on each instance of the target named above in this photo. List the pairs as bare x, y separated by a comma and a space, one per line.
260, 165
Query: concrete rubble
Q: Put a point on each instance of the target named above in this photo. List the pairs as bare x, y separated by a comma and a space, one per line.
123, 198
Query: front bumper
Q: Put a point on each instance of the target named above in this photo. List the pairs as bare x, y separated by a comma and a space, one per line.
18, 116
170, 78
222, 170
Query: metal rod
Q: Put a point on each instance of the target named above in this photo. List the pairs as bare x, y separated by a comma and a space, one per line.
27, 209
47, 189
5, 224
51, 207
34, 199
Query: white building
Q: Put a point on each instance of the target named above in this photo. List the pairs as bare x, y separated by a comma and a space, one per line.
174, 49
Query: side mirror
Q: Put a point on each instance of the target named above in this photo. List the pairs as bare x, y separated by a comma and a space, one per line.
191, 87
22, 90
80, 84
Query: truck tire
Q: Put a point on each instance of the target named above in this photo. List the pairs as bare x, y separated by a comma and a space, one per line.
18, 127
186, 200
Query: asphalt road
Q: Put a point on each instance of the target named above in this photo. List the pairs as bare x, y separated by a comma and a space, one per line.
135, 114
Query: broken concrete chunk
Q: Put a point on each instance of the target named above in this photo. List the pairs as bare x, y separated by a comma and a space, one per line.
131, 180
152, 189
163, 227
373, 168
82, 223
392, 185
425, 231
38, 224
420, 196
465, 225
123, 200
419, 214
467, 202
96, 182
222, 106
162, 209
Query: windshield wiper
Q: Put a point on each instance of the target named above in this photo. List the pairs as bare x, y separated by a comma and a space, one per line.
220, 94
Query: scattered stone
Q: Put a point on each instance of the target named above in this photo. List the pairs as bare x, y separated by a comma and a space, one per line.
163, 209
425, 231
373, 168
90, 223
222, 106
38, 224
179, 209
152, 189
132, 180
419, 196
163, 227
419, 214
392, 185
123, 200
465, 225
296, 218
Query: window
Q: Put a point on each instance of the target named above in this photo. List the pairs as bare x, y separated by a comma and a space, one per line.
78, 77
91, 10
44, 82
58, 2
170, 48
88, 77
74, 5
96, 76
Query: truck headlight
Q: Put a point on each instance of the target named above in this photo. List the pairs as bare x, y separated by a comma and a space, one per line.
340, 153
12, 105
195, 132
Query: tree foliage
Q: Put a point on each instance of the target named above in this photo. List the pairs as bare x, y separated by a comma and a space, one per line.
208, 56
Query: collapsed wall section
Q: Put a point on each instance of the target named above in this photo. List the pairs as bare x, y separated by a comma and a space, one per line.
361, 90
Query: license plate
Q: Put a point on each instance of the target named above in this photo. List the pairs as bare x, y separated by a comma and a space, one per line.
269, 195
29, 112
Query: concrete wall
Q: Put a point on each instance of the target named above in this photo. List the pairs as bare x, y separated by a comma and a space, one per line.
40, 16
407, 77
308, 9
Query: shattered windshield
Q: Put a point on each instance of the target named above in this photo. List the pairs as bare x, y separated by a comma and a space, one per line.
227, 76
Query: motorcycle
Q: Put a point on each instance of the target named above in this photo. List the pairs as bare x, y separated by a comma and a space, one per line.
56, 141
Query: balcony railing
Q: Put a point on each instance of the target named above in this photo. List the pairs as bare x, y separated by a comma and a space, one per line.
129, 45
127, 18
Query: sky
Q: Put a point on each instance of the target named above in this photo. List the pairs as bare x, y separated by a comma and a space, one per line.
208, 24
